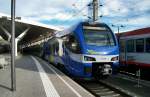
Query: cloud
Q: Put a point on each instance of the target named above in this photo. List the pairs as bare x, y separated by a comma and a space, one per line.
139, 21
113, 8
142, 5
59, 16
62, 10
44, 7
65, 12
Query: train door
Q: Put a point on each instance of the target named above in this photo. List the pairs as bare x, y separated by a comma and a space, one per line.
59, 52
52, 52
125, 51
56, 50
66, 52
122, 55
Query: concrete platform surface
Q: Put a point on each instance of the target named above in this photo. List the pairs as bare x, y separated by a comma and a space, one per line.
129, 85
37, 78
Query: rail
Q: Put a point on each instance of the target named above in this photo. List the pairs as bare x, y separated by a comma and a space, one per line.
101, 89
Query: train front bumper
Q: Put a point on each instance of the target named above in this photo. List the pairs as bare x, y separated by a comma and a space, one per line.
91, 70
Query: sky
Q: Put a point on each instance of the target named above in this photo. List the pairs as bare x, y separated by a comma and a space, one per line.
132, 14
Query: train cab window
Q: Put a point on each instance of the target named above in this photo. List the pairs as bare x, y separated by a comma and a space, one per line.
99, 37
130, 46
148, 45
72, 44
140, 45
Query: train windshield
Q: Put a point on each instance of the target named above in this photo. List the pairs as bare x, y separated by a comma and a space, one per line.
99, 37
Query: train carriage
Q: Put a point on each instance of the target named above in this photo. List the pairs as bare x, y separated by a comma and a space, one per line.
135, 50
86, 50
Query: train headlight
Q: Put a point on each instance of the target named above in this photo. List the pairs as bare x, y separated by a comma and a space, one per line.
87, 58
115, 58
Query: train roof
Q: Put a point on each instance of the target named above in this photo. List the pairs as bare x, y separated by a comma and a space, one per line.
86, 23
136, 32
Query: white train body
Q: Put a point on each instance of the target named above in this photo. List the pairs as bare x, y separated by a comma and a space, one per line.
135, 48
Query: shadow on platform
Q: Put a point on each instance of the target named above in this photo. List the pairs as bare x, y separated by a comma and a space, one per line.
5, 87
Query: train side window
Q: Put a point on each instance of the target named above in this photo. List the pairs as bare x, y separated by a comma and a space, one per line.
148, 45
140, 45
73, 44
130, 46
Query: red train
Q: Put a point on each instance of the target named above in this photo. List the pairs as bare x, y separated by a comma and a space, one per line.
135, 50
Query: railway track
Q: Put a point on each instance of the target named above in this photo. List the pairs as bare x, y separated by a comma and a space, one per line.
100, 89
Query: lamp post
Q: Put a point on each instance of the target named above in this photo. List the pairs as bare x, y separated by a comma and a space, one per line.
13, 72
118, 28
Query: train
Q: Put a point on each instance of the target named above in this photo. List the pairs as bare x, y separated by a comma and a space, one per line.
135, 51
86, 50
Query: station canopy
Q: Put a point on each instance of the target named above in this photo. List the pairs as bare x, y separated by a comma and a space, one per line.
25, 31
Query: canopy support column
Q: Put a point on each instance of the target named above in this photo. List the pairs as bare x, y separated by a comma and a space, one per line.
16, 47
6, 33
19, 38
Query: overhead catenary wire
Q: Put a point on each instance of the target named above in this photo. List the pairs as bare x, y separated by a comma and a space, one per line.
73, 13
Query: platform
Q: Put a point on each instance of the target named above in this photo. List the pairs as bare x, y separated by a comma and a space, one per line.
37, 78
129, 85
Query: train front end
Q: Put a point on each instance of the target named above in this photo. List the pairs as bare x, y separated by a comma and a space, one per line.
100, 52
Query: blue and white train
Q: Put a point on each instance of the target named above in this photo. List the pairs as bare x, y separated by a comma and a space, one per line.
87, 50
